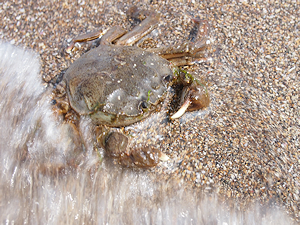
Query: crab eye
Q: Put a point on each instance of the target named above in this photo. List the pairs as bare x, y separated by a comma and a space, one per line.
143, 105
167, 79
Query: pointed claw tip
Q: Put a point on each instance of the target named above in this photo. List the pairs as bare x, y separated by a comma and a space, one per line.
182, 110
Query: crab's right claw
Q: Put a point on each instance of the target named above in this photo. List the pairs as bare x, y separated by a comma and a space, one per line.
194, 97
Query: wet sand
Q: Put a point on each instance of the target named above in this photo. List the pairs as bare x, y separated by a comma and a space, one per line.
246, 144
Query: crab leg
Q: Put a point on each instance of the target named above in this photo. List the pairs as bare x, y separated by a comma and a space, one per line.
84, 37
144, 28
188, 60
189, 49
111, 35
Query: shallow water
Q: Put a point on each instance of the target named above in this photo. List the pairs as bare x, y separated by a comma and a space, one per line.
34, 143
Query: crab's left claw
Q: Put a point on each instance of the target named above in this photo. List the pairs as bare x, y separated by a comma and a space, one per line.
140, 156
194, 97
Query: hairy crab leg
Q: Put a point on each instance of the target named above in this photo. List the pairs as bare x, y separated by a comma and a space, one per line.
188, 60
84, 37
144, 28
107, 38
184, 49
188, 48
112, 34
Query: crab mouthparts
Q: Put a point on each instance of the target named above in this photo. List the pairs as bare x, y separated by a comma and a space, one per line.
182, 109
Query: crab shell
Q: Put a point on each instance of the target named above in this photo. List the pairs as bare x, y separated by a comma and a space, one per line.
117, 85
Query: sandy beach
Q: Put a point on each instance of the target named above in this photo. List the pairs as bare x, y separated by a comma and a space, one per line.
245, 146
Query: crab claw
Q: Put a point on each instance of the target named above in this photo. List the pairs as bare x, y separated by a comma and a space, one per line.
140, 156
193, 97
182, 109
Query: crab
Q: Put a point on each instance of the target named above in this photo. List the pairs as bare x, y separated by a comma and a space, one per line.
118, 84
